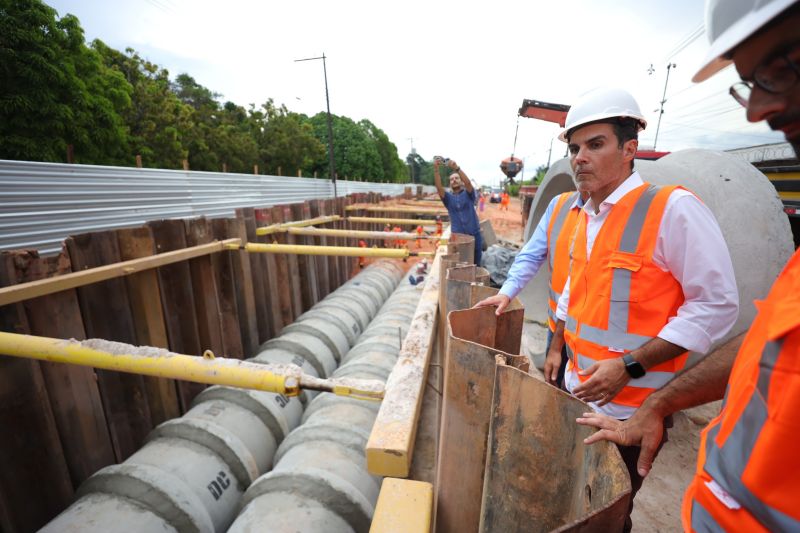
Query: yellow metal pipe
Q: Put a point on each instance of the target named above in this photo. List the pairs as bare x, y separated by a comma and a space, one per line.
150, 362
412, 221
356, 234
42, 287
283, 226
347, 251
399, 209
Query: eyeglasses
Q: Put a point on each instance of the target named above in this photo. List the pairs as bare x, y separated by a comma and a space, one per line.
775, 76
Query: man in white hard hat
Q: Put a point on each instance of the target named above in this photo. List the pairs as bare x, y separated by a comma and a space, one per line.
650, 277
747, 470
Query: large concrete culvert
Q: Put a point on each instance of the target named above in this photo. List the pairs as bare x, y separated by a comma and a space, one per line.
192, 472
320, 480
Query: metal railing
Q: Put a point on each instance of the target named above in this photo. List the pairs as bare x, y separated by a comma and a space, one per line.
43, 203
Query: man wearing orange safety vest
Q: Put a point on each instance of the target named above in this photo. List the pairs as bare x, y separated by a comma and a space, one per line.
650, 276
549, 242
747, 469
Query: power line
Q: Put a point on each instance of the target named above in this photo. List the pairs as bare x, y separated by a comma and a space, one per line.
686, 41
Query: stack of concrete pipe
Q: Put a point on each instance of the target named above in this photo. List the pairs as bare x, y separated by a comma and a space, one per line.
192, 472
320, 480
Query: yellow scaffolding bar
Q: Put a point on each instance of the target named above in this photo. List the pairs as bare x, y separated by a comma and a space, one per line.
356, 234
283, 226
42, 287
412, 221
399, 209
347, 251
149, 361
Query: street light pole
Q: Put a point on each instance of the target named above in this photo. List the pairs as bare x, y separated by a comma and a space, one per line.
663, 100
331, 165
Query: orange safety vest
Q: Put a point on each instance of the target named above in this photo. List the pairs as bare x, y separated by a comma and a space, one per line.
749, 449
620, 299
560, 230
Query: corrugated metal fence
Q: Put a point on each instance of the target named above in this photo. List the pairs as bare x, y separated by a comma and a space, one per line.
43, 203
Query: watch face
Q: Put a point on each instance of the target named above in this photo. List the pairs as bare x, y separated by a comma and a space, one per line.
634, 368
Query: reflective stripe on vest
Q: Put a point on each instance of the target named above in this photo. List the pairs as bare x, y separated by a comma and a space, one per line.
702, 521
558, 223
559, 266
617, 333
726, 464
651, 380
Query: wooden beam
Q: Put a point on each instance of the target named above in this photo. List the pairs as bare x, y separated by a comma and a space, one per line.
401, 221
404, 506
400, 209
390, 445
282, 226
33, 289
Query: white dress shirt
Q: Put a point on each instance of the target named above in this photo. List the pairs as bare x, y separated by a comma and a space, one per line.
691, 247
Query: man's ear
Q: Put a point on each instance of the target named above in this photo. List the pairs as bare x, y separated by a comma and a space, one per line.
629, 149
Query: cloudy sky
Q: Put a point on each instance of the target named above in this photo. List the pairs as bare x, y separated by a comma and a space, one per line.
445, 74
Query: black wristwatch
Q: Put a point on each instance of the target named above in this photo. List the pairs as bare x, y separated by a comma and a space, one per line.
634, 368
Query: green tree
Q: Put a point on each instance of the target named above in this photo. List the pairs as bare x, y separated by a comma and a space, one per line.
55, 91
393, 168
157, 119
285, 140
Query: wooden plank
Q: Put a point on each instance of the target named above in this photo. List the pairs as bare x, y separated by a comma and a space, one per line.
23, 291
281, 214
243, 283
266, 330
222, 265
335, 264
404, 506
73, 391
106, 315
391, 443
206, 296
178, 301
34, 480
317, 209
466, 405
306, 264
271, 291
346, 265
148, 318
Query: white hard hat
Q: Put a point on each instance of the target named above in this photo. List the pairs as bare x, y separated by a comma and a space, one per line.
601, 104
729, 23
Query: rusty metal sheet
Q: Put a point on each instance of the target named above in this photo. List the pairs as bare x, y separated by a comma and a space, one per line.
475, 336
463, 245
539, 474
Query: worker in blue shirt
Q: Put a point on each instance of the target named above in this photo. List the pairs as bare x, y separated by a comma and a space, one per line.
460, 203
532, 256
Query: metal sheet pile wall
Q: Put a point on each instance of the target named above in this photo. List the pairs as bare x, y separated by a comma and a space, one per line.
43, 203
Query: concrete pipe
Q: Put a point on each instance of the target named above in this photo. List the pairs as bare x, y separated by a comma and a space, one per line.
192, 472
733, 189
322, 462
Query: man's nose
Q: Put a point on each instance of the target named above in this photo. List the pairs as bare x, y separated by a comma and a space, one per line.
762, 104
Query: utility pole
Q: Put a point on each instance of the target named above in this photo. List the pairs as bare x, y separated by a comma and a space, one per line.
331, 165
549, 153
663, 99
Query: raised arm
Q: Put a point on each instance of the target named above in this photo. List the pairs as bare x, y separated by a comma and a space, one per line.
437, 179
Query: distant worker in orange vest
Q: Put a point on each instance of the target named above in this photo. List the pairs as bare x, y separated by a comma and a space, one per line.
504, 201
420, 233
439, 229
747, 466
650, 278
362, 261
399, 243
